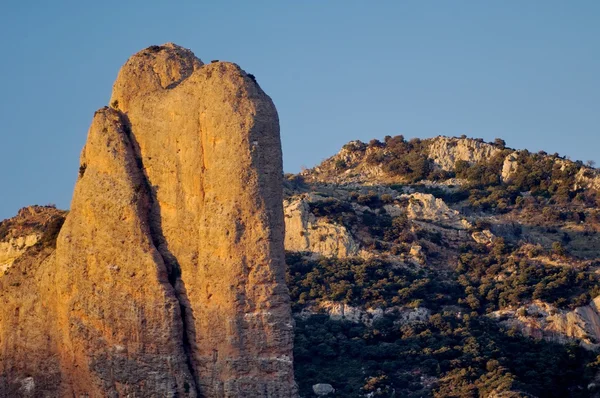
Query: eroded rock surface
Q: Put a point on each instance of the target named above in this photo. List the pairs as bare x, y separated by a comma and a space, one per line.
307, 233
25, 230
168, 276
119, 316
14, 248
426, 207
509, 167
542, 320
446, 151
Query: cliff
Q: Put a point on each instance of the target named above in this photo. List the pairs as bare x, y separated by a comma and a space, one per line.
168, 274
399, 161
445, 151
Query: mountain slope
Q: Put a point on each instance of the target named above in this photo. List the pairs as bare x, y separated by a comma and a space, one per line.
445, 267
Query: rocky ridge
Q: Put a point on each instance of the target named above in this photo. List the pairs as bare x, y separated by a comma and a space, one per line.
362, 163
542, 320
307, 233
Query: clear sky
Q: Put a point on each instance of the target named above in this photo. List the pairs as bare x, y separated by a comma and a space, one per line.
525, 71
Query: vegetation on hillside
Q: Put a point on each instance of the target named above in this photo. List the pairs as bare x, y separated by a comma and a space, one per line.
450, 355
543, 217
370, 283
548, 178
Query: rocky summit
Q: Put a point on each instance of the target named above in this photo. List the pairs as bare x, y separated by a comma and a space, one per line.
168, 276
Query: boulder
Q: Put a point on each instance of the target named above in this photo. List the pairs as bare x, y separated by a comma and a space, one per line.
322, 389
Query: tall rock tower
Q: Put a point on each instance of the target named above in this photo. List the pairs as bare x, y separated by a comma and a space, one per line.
168, 276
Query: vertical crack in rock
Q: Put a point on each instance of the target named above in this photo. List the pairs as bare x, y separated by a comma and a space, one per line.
170, 261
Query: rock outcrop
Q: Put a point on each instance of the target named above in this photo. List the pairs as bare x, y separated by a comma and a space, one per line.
14, 248
344, 312
509, 167
426, 207
446, 151
25, 230
542, 320
322, 389
307, 233
168, 277
349, 165
29, 363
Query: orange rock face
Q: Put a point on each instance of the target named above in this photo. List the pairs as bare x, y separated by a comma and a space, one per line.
168, 276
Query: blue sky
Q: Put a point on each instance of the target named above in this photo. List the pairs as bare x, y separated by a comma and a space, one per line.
526, 71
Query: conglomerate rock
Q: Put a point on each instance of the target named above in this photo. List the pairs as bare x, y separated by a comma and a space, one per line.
168, 275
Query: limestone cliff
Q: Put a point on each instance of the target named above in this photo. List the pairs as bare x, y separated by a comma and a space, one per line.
29, 365
168, 275
429, 208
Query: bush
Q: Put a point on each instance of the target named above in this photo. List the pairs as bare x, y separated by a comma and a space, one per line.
340, 164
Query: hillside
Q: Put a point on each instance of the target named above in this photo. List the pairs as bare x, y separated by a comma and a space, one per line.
446, 267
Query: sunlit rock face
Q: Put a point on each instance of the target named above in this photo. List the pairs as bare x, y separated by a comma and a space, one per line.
320, 237
168, 275
446, 151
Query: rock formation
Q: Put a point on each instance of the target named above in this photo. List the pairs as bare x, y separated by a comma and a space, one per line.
29, 365
446, 151
168, 275
342, 311
422, 206
542, 320
509, 167
25, 230
307, 233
